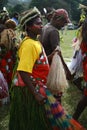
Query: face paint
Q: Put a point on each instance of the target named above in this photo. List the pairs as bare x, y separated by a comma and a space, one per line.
37, 26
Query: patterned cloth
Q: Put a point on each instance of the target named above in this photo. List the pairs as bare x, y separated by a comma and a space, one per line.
6, 65
59, 119
7, 53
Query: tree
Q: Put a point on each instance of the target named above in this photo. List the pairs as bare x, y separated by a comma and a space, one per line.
75, 12
40, 4
69, 5
3, 3
84, 2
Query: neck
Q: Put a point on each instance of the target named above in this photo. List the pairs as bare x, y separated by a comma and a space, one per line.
32, 35
55, 25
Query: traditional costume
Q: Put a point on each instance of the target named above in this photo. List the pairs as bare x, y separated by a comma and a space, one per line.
25, 112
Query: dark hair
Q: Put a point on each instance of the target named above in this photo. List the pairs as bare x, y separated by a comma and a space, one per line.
29, 23
84, 31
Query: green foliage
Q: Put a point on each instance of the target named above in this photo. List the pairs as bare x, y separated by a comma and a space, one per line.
75, 11
69, 5
17, 8
20, 5
3, 3
84, 2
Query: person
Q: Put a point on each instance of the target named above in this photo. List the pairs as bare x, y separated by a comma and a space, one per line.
33, 107
48, 12
7, 46
83, 101
15, 17
10, 24
50, 37
7, 55
75, 65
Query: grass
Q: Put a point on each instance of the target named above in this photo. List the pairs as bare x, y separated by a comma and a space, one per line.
70, 97
4, 117
66, 43
70, 101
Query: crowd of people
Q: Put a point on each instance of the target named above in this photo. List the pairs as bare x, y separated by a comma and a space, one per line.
7, 50
25, 66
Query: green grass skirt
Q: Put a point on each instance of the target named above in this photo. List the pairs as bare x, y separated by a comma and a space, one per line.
25, 112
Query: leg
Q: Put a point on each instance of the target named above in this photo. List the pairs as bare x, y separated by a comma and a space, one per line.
80, 107
78, 83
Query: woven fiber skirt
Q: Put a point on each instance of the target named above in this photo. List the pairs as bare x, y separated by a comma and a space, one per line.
59, 119
25, 112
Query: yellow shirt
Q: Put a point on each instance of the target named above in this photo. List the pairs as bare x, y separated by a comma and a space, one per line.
29, 52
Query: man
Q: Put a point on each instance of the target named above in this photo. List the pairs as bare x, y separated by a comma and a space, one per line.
50, 37
15, 17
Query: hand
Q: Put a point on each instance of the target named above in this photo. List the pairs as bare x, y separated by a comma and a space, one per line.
50, 57
40, 99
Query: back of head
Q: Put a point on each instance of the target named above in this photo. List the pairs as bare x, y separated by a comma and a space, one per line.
61, 14
28, 16
16, 14
48, 13
10, 24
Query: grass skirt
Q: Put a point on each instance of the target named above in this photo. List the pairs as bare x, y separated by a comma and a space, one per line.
25, 112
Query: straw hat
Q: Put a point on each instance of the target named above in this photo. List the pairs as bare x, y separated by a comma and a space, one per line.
28, 16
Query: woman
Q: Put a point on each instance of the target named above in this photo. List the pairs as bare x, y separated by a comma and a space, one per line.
33, 107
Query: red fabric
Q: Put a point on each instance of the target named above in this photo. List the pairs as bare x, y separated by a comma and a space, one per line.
85, 91
76, 125
55, 128
6, 66
84, 51
40, 72
41, 68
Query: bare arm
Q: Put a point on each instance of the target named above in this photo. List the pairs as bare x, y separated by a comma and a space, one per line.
54, 39
67, 71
